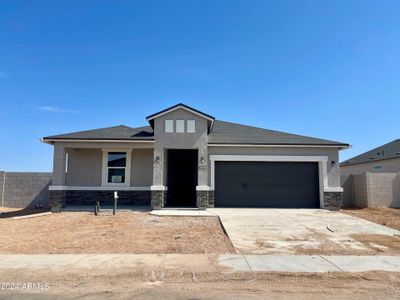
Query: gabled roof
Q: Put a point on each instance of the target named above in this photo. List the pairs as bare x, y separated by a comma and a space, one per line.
232, 133
387, 151
209, 118
222, 133
120, 132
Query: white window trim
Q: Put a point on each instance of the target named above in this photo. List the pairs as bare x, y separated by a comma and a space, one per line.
181, 130
104, 170
194, 126
165, 126
322, 167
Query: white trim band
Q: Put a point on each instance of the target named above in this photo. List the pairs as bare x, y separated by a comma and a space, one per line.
203, 188
293, 158
97, 188
158, 188
333, 189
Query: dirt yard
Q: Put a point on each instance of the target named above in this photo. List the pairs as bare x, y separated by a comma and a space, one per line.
206, 286
389, 217
126, 232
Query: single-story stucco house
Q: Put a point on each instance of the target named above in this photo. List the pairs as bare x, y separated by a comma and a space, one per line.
383, 159
187, 158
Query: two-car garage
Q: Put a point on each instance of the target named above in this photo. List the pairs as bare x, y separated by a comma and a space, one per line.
267, 184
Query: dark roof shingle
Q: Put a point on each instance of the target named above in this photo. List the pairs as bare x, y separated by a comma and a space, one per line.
232, 133
222, 133
120, 132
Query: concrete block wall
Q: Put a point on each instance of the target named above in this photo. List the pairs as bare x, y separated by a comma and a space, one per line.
384, 189
360, 190
372, 190
24, 189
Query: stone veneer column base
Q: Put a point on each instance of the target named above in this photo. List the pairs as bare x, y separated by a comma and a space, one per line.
57, 200
211, 199
333, 200
204, 199
158, 199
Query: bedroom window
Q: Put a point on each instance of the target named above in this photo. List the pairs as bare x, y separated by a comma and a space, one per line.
180, 126
169, 126
191, 126
116, 168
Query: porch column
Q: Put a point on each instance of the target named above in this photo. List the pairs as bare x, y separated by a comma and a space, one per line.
158, 189
202, 189
59, 165
58, 197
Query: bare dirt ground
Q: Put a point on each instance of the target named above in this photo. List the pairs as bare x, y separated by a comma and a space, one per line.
184, 285
389, 217
126, 232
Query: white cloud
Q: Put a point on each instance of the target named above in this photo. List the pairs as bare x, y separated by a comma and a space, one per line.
49, 108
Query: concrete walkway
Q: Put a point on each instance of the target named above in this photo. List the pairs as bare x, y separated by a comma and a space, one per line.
200, 262
185, 212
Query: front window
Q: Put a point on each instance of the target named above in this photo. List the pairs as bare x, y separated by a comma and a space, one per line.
116, 167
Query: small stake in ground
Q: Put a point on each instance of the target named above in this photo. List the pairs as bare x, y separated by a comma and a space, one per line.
115, 202
97, 209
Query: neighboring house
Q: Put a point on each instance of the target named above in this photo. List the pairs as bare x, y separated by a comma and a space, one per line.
186, 158
383, 159
372, 179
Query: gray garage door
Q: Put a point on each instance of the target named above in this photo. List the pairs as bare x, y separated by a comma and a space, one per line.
266, 184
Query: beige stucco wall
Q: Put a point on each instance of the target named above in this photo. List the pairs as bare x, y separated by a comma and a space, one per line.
333, 173
84, 167
142, 167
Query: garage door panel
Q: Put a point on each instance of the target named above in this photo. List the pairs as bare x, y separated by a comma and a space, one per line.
266, 184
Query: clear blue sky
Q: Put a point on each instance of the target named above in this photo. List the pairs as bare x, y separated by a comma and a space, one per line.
328, 69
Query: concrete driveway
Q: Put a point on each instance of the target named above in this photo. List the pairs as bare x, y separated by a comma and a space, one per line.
305, 231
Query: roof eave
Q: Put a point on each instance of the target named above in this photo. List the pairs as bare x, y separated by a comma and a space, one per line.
340, 146
83, 140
